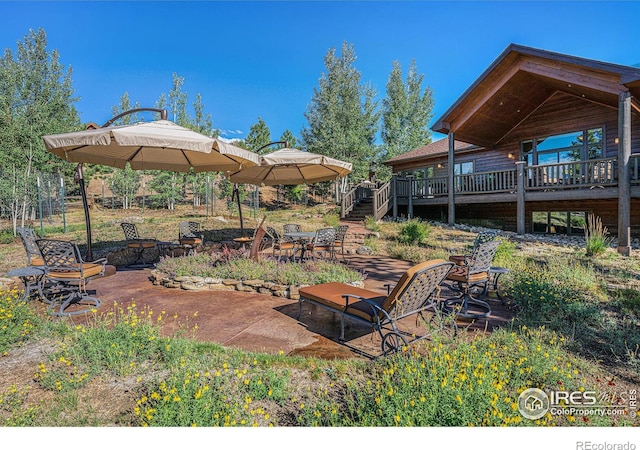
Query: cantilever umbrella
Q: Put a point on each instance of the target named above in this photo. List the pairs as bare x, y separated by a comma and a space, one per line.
158, 145
290, 166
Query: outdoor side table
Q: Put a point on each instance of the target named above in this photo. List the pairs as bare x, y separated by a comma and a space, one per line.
164, 247
32, 278
495, 273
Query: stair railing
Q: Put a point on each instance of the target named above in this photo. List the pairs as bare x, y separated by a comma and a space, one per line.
381, 200
354, 196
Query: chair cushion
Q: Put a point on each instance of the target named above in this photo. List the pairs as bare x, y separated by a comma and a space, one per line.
143, 244
37, 261
458, 259
190, 241
89, 269
283, 245
459, 273
330, 295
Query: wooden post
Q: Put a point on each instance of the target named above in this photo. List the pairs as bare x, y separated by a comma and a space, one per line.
624, 187
410, 199
394, 194
451, 216
520, 209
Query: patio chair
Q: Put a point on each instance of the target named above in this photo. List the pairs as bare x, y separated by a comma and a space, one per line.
415, 293
482, 237
189, 236
338, 243
29, 238
69, 275
473, 273
281, 245
322, 243
137, 244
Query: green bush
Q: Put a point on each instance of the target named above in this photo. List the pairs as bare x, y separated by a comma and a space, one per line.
331, 220
371, 224
414, 231
17, 320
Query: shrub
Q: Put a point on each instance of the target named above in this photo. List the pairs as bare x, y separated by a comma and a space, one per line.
371, 224
331, 220
596, 236
414, 231
17, 320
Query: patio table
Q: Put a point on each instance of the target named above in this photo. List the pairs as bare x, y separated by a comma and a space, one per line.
301, 237
32, 277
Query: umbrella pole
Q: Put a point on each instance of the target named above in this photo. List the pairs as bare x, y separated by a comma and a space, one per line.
79, 178
237, 194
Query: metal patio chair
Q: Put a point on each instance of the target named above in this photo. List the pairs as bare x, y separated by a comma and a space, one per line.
415, 293
475, 272
137, 244
281, 245
189, 236
338, 243
69, 275
481, 238
323, 243
29, 238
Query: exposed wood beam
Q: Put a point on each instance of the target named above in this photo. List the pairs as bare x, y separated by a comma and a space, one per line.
635, 104
525, 118
572, 77
480, 101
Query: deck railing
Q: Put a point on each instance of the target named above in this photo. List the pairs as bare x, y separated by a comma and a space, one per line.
595, 172
486, 182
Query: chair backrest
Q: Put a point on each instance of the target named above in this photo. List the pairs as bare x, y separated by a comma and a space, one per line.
292, 228
188, 229
482, 257
341, 232
484, 236
60, 255
416, 287
325, 236
273, 233
130, 231
29, 238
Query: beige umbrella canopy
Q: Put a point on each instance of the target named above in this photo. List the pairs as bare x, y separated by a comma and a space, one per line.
290, 166
158, 145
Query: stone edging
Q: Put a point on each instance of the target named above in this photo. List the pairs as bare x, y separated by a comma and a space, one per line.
195, 283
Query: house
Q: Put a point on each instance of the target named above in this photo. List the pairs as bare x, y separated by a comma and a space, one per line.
536, 143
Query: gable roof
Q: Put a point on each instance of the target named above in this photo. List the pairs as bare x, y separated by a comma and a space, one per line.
523, 78
438, 147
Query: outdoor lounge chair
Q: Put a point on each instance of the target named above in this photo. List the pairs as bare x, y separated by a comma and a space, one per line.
475, 272
189, 236
69, 276
416, 292
136, 243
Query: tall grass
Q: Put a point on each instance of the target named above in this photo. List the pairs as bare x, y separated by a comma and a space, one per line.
596, 235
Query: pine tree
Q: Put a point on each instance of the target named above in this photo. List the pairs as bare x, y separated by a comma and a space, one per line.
342, 116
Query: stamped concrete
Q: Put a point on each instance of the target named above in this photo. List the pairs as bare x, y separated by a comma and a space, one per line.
263, 323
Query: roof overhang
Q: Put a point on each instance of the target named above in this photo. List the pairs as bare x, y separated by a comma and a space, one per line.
522, 79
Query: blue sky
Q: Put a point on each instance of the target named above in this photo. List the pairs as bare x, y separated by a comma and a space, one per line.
263, 59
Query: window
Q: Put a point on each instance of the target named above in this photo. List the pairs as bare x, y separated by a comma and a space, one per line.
559, 222
463, 168
562, 148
